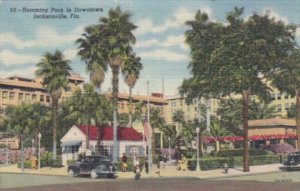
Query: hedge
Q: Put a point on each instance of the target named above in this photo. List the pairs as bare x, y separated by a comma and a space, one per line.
240, 152
217, 163
27, 164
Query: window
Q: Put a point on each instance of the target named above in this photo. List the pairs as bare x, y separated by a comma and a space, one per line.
278, 96
42, 98
287, 106
33, 97
21, 96
196, 109
272, 97
286, 96
173, 103
181, 103
195, 101
122, 105
133, 151
27, 97
48, 99
279, 107
12, 95
4, 94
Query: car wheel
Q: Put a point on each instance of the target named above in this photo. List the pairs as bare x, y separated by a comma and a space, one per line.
71, 173
94, 174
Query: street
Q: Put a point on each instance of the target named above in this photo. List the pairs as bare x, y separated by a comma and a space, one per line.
52, 183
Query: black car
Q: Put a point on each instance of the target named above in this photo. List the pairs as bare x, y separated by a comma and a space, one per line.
293, 159
93, 165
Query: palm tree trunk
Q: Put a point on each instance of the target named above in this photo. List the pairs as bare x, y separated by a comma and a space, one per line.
87, 139
298, 117
246, 95
98, 141
115, 83
54, 127
153, 143
129, 107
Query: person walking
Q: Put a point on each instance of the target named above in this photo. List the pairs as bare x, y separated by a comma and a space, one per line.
124, 163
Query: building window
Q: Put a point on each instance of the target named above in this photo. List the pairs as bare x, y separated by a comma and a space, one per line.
133, 151
286, 96
122, 105
278, 96
181, 103
21, 96
279, 107
272, 97
27, 97
33, 98
42, 98
48, 99
4, 94
287, 106
196, 109
173, 103
12, 95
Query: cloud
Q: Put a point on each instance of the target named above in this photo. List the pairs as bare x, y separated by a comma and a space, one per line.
70, 54
177, 20
26, 72
8, 57
160, 54
273, 14
45, 37
173, 40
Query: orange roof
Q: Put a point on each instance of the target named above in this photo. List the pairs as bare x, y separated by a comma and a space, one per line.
19, 83
152, 99
272, 122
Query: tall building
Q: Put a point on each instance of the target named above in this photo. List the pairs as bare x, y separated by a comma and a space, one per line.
16, 90
178, 103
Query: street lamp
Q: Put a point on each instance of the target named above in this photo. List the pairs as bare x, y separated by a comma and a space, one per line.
33, 151
198, 166
169, 148
39, 136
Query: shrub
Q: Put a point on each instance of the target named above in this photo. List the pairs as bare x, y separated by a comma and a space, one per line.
27, 164
281, 148
71, 162
211, 163
258, 160
240, 152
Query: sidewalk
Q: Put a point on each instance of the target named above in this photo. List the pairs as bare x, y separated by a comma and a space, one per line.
166, 172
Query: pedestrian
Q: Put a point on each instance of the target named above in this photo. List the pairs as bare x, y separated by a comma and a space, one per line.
146, 166
137, 171
124, 163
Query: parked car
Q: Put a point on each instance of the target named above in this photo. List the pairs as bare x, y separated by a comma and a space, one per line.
292, 162
293, 159
94, 165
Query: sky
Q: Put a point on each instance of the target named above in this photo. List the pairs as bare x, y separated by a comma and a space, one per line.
160, 34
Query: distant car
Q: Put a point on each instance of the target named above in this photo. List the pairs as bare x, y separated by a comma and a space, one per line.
94, 165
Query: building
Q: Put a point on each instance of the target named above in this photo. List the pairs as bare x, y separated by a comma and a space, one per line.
282, 101
16, 90
155, 100
272, 131
74, 142
177, 103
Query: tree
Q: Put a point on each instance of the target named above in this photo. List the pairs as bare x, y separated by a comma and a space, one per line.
86, 106
156, 121
216, 130
237, 58
287, 79
113, 40
131, 71
54, 69
262, 110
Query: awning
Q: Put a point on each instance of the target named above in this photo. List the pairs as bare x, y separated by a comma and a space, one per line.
70, 143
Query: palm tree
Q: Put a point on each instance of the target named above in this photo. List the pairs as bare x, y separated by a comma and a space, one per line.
112, 39
54, 69
216, 130
131, 71
261, 110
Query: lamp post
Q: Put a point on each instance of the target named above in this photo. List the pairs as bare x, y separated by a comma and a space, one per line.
39, 136
198, 166
169, 148
33, 151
